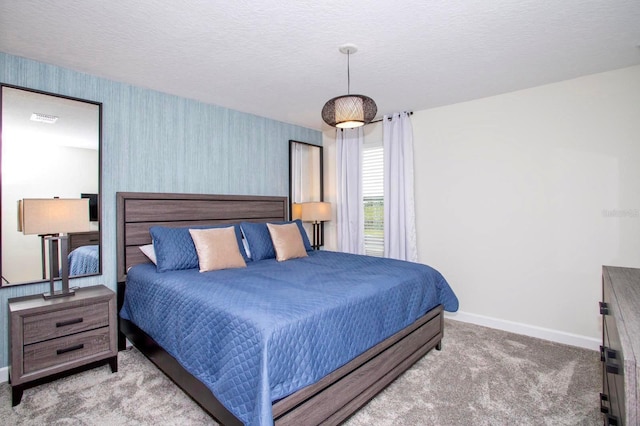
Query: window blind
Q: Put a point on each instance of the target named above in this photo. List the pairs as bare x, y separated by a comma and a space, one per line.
373, 198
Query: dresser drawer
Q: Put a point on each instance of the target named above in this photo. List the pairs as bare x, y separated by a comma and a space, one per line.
612, 369
54, 352
621, 345
50, 325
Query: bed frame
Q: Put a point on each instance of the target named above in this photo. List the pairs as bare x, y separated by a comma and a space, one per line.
329, 401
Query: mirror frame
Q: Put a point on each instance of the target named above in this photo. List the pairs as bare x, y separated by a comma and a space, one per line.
100, 239
321, 177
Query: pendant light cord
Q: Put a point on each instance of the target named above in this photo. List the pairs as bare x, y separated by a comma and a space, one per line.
348, 73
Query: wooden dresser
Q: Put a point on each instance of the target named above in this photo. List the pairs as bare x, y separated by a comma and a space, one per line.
50, 338
620, 350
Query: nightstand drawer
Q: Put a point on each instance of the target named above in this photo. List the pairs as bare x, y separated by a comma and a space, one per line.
50, 325
65, 349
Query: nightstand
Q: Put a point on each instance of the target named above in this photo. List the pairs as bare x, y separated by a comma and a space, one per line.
52, 338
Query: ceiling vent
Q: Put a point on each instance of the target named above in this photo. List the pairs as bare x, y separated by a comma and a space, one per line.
43, 118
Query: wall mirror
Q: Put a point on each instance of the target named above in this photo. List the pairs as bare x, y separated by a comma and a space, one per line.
49, 147
305, 179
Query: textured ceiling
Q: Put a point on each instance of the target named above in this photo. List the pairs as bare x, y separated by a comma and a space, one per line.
280, 59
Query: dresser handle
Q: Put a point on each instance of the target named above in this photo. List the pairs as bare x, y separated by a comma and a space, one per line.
69, 322
611, 420
69, 349
610, 354
604, 309
604, 398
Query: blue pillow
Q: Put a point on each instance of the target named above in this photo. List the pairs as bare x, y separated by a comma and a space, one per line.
259, 239
175, 249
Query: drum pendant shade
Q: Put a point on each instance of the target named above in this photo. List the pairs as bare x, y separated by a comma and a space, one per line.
349, 110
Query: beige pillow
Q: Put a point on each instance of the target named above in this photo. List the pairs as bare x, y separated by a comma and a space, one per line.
287, 241
217, 248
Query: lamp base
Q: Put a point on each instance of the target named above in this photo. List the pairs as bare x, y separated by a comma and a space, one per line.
64, 275
58, 293
315, 243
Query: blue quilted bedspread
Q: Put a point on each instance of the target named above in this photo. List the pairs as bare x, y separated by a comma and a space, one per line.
257, 334
84, 260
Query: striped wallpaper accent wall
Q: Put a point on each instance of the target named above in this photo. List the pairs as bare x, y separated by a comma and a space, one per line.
155, 142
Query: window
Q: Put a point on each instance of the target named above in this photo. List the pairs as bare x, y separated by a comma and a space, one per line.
373, 197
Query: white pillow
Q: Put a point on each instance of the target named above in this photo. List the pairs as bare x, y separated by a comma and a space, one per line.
245, 244
150, 252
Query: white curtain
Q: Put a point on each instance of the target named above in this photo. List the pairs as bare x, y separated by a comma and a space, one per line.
399, 210
350, 217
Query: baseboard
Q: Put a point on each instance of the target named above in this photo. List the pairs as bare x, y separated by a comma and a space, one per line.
527, 330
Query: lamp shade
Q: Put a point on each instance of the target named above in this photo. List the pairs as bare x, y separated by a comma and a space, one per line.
53, 215
296, 211
316, 211
349, 111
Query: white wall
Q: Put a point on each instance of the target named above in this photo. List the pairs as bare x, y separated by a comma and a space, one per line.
522, 197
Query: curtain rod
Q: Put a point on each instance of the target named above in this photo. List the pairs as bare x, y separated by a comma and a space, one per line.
380, 119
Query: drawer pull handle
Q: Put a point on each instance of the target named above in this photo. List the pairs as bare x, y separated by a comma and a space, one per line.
611, 366
69, 349
610, 354
603, 399
604, 309
69, 322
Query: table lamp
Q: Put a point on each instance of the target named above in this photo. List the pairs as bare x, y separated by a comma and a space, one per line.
50, 218
296, 211
316, 212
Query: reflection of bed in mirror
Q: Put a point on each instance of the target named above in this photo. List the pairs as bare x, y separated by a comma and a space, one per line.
84, 253
44, 158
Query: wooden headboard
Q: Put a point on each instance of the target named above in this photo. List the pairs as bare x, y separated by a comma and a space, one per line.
138, 211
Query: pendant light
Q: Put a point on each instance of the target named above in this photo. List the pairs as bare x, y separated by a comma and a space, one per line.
349, 110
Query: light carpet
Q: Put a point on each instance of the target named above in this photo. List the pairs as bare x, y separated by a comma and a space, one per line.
482, 376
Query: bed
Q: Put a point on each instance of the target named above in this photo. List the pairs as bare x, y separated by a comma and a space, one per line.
335, 388
84, 253
84, 260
